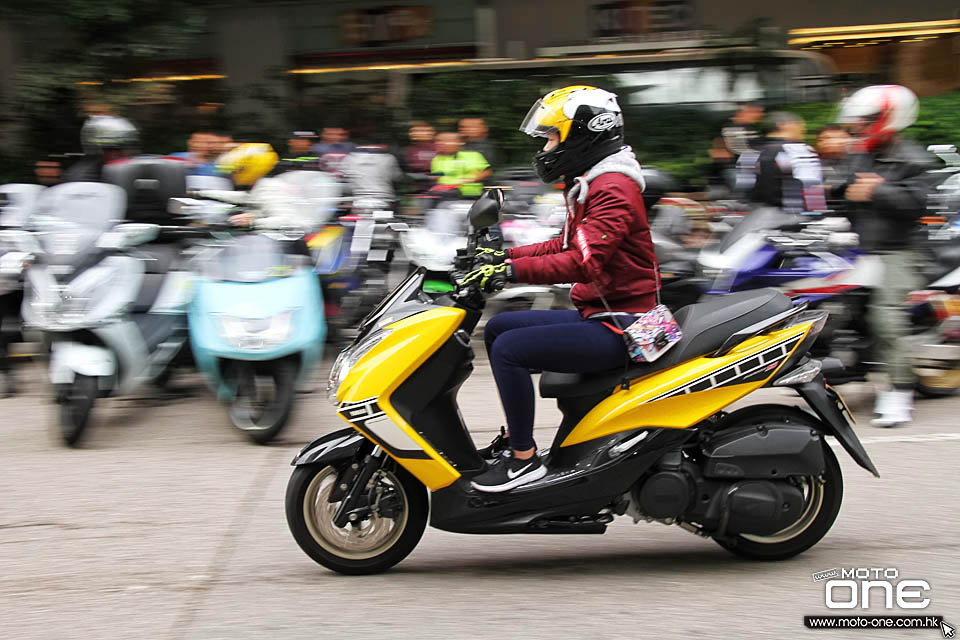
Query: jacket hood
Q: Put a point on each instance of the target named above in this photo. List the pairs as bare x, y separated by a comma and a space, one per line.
623, 161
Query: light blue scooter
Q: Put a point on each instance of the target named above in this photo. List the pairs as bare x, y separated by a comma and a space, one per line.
257, 328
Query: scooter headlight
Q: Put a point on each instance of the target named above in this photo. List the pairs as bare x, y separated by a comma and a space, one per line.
350, 357
256, 334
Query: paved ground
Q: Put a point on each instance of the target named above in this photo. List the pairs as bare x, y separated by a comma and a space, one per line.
168, 525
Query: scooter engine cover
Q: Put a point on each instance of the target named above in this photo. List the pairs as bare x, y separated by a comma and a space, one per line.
761, 507
665, 494
770, 450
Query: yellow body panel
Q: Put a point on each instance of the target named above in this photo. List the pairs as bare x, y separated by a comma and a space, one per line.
660, 399
386, 366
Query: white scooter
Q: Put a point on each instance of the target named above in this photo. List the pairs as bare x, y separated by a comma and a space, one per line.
114, 314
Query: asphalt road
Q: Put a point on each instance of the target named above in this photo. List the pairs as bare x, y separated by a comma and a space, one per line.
168, 525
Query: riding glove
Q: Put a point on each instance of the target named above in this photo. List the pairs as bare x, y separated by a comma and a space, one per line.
486, 255
490, 277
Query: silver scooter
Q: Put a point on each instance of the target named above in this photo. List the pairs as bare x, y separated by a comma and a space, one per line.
114, 315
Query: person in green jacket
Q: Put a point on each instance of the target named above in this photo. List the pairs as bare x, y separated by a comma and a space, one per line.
454, 166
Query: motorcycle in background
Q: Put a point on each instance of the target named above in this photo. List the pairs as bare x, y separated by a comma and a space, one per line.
353, 256
817, 261
256, 328
112, 309
16, 205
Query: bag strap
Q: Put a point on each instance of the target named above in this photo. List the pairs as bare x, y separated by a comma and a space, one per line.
624, 379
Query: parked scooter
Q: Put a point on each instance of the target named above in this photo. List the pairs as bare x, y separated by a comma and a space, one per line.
652, 442
112, 309
16, 205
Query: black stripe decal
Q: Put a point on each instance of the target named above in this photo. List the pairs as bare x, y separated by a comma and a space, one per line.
755, 367
361, 412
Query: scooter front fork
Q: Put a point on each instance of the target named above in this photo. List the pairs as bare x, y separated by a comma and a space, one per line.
354, 483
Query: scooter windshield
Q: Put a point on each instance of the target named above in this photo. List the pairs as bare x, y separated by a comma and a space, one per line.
252, 258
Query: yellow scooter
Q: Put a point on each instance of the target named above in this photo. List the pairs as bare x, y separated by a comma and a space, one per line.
649, 441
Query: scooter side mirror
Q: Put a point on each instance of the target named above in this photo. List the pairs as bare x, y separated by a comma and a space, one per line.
128, 235
485, 212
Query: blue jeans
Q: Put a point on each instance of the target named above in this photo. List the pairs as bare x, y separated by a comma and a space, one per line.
561, 341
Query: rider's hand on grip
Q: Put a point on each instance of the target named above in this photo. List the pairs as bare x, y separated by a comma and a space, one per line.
486, 255
489, 277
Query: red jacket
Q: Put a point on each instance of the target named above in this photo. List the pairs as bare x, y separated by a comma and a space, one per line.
606, 245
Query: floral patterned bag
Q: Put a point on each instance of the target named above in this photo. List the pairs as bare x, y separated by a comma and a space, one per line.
652, 334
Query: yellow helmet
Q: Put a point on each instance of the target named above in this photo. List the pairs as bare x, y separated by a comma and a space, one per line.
248, 162
588, 122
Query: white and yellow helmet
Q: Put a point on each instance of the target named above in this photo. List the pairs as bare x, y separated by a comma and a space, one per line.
588, 123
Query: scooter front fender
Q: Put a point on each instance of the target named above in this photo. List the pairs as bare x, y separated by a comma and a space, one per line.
69, 359
333, 447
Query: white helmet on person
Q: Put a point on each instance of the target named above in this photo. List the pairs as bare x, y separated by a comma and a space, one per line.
879, 112
108, 133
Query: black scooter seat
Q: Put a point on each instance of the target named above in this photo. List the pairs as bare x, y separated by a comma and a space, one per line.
706, 325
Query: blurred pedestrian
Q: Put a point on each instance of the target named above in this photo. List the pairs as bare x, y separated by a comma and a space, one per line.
418, 155
832, 143
454, 166
741, 133
202, 151
887, 189
48, 172
333, 148
739, 138
372, 172
473, 132
787, 172
300, 155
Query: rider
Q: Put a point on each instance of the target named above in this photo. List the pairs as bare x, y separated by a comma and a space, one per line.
605, 249
887, 190
247, 163
105, 139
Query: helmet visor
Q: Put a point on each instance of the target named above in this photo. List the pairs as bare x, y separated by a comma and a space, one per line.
540, 121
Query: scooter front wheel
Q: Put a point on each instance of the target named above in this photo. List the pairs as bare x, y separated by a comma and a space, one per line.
76, 402
264, 399
391, 521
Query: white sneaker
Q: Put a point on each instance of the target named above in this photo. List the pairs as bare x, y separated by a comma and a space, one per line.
893, 408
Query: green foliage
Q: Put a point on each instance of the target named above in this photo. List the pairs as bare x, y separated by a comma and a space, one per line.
91, 41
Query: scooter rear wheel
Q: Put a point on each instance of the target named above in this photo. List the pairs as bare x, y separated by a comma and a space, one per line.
370, 545
823, 495
76, 403
264, 400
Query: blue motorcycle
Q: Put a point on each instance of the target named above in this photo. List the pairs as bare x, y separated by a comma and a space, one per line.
257, 328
